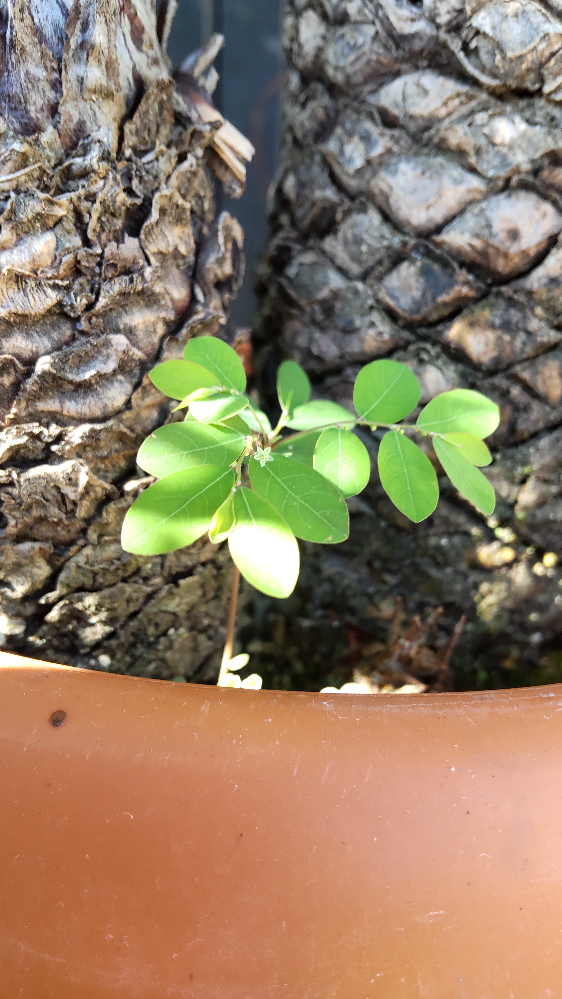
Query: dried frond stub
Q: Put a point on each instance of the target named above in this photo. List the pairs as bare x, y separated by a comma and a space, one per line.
232, 149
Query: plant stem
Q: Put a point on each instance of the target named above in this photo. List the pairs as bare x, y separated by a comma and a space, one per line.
229, 643
357, 423
280, 425
252, 410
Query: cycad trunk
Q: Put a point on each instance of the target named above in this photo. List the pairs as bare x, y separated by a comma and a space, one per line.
416, 214
110, 257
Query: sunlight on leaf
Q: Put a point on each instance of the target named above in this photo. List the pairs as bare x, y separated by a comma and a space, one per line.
385, 392
222, 524
220, 359
230, 680
252, 682
460, 411
175, 511
471, 448
344, 460
319, 414
236, 423
407, 476
252, 422
218, 407
469, 481
239, 662
178, 379
293, 386
263, 546
300, 448
186, 445
312, 506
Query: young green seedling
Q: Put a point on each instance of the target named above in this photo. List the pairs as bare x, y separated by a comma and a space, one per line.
226, 471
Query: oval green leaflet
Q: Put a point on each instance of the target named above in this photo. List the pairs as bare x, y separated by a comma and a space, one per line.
218, 358
217, 407
222, 523
179, 379
471, 448
260, 422
263, 546
385, 392
300, 448
460, 411
407, 476
319, 413
236, 423
469, 481
186, 445
175, 511
238, 662
293, 386
344, 460
253, 682
312, 506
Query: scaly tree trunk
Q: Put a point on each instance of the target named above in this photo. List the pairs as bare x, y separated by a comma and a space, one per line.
110, 257
416, 215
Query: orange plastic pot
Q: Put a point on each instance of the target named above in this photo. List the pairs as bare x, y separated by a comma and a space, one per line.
161, 841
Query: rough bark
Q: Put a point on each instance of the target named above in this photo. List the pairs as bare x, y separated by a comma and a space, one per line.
111, 257
416, 214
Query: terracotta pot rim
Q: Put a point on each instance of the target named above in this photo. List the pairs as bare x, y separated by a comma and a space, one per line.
9, 661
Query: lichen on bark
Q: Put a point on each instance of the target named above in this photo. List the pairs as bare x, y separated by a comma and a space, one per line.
111, 257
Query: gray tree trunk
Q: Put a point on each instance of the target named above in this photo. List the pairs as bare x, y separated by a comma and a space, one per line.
111, 257
416, 214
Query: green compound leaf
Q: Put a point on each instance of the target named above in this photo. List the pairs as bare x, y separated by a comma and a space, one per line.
263, 546
218, 358
319, 414
471, 448
312, 506
460, 411
186, 445
407, 476
344, 460
175, 511
222, 524
178, 379
385, 392
293, 386
469, 481
217, 407
300, 448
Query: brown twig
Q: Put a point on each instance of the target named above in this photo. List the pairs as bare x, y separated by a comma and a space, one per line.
232, 148
395, 630
458, 629
407, 646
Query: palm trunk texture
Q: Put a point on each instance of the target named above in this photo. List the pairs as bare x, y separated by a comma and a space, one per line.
417, 214
111, 257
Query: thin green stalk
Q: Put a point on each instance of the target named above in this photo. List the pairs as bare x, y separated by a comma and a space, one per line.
280, 425
260, 424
